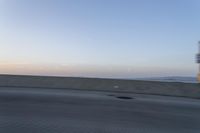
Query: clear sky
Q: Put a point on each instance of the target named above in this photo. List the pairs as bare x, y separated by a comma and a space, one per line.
99, 38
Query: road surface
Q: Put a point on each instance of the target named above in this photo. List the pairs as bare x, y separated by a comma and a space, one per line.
36, 110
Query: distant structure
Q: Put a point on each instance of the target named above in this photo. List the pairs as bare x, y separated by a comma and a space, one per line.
198, 61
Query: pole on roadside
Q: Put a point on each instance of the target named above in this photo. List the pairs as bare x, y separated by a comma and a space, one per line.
198, 61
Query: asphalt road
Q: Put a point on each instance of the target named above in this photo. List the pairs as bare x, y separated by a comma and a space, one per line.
26, 110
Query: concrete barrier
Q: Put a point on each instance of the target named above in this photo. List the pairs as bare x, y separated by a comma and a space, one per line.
96, 84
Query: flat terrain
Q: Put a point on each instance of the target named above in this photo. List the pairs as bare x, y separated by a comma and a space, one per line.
178, 89
34, 110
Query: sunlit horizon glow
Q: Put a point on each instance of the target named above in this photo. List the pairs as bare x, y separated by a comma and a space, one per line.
100, 38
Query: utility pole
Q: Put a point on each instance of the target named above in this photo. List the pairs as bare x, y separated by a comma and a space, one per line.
198, 61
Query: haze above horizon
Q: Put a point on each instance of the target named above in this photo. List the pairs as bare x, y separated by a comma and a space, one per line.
99, 38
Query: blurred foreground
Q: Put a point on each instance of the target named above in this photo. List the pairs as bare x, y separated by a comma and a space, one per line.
37, 110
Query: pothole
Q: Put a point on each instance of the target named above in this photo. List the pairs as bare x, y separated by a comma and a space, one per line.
121, 97
124, 97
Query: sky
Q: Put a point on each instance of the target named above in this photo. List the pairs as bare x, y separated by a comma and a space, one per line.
99, 38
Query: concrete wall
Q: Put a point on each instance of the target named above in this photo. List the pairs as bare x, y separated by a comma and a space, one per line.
125, 86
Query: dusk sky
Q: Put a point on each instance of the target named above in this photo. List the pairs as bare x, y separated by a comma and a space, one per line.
99, 38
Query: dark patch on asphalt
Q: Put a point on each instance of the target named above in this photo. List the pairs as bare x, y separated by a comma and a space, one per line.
121, 97
124, 97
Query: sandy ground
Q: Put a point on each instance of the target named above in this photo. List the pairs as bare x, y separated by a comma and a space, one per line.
190, 90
